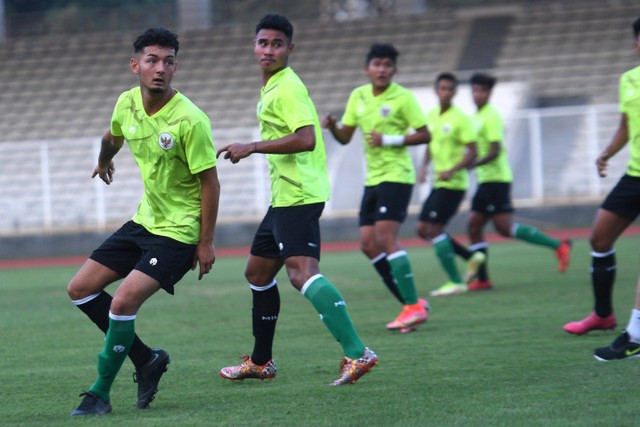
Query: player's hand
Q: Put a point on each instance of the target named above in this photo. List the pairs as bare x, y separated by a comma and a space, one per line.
329, 121
373, 138
445, 175
205, 256
236, 152
601, 163
105, 174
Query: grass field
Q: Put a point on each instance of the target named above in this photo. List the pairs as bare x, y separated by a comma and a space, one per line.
496, 358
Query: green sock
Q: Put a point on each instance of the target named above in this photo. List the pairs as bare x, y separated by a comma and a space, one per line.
533, 235
401, 270
328, 302
117, 343
444, 251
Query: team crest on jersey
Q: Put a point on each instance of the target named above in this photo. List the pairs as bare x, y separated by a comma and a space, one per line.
385, 110
166, 141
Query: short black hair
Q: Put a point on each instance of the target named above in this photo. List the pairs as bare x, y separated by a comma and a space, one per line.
447, 76
383, 50
484, 80
636, 28
278, 23
156, 36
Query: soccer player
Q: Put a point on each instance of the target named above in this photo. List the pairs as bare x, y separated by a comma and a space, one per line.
620, 208
289, 234
171, 232
452, 150
385, 111
492, 200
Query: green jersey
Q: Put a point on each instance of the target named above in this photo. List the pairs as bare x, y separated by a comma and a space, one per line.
170, 147
450, 134
392, 112
284, 107
491, 129
630, 106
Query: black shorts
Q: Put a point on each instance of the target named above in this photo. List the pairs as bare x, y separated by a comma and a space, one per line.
132, 247
289, 231
385, 201
624, 198
441, 205
492, 198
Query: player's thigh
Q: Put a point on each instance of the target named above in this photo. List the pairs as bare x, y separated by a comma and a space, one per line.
368, 243
134, 290
300, 269
387, 235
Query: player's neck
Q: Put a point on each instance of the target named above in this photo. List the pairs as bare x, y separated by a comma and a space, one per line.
267, 74
153, 101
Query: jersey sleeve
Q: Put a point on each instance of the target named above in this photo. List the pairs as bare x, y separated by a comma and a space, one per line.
413, 112
494, 129
116, 118
468, 133
198, 145
349, 117
295, 107
622, 90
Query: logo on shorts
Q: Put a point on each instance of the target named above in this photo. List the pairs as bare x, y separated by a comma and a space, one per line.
153, 261
118, 348
491, 208
281, 246
383, 209
433, 214
385, 111
165, 140
312, 245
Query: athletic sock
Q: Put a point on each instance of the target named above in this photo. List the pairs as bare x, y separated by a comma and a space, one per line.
116, 346
328, 302
533, 235
265, 311
633, 328
460, 250
444, 251
483, 271
603, 275
96, 307
403, 274
381, 264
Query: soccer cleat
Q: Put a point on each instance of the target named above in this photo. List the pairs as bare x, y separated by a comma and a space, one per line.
411, 315
591, 323
423, 302
449, 288
92, 404
352, 369
563, 253
473, 265
148, 377
479, 285
621, 348
248, 369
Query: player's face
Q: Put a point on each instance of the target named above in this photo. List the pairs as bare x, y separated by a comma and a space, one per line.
156, 66
445, 90
380, 72
480, 95
272, 50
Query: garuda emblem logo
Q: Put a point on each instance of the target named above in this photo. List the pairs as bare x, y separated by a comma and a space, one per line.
166, 141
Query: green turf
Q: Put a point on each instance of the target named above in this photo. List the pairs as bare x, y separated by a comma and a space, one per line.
496, 358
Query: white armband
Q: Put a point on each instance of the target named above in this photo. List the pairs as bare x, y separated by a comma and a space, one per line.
392, 140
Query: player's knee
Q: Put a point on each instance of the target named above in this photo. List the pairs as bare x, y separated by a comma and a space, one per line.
422, 230
601, 245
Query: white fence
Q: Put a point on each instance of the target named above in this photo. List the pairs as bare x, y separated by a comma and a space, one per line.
45, 186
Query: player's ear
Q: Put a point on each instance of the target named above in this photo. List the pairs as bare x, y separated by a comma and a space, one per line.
134, 65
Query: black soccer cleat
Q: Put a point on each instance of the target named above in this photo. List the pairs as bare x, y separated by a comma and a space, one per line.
92, 404
620, 348
148, 377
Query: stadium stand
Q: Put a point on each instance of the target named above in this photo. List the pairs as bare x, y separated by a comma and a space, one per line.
63, 88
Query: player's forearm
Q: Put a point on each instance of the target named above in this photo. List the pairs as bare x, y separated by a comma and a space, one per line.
421, 136
303, 139
210, 196
620, 139
109, 147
